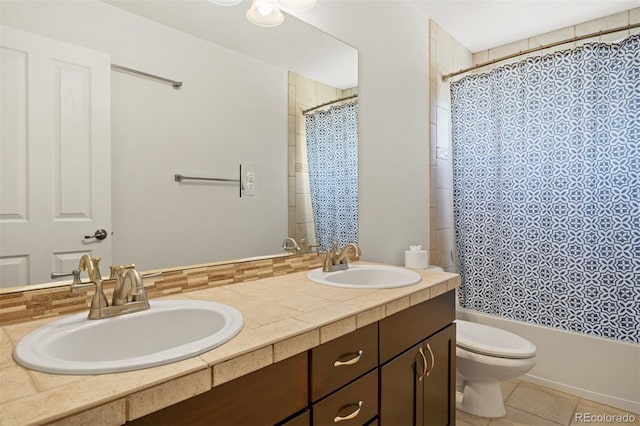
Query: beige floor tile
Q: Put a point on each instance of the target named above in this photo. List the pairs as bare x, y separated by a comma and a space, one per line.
543, 402
463, 418
507, 387
460, 422
610, 416
517, 417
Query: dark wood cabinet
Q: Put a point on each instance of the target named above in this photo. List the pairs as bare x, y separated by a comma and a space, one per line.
399, 389
355, 404
439, 392
342, 360
265, 397
417, 358
418, 386
302, 419
406, 328
399, 371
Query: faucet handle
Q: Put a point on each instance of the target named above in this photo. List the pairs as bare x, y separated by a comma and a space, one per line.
310, 248
117, 270
138, 292
290, 244
79, 286
75, 274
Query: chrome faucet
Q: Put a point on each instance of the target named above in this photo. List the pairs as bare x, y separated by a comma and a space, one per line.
336, 258
289, 244
129, 294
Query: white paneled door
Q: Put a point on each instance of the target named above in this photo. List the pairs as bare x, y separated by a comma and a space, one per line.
55, 156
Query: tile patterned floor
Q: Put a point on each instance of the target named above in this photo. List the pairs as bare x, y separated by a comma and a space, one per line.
533, 405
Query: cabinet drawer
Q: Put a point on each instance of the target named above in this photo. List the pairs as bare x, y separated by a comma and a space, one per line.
354, 404
406, 328
340, 361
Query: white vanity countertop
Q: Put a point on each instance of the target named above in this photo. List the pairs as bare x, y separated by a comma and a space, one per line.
284, 316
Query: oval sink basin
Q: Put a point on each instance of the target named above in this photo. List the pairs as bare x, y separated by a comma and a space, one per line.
171, 330
366, 276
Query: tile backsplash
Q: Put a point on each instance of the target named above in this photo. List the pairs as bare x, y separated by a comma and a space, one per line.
43, 303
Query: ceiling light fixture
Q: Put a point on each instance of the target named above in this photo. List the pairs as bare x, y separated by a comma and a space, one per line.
267, 13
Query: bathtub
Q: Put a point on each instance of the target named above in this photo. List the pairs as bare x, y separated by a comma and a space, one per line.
593, 368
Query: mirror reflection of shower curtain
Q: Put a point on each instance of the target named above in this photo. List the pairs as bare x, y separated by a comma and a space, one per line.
332, 154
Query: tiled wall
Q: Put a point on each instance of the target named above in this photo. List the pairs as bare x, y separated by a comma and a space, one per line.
303, 94
35, 304
447, 55
608, 22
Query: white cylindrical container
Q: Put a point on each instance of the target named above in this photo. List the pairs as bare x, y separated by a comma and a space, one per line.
416, 258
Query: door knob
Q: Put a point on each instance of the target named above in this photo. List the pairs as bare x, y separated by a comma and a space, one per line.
100, 234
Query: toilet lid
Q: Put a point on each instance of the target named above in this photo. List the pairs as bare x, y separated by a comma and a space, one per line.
486, 340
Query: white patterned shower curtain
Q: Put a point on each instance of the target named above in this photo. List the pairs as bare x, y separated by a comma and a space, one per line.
332, 154
546, 157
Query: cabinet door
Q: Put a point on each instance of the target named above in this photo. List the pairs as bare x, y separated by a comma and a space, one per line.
400, 390
438, 396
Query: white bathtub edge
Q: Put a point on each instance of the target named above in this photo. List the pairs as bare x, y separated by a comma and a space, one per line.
601, 370
633, 407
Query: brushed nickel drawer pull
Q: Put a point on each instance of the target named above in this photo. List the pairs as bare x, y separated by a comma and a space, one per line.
433, 360
350, 361
424, 363
350, 416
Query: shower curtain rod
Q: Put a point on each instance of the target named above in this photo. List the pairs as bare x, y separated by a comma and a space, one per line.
175, 84
535, 49
328, 103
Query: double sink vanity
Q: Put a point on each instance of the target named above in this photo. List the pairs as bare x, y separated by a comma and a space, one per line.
372, 344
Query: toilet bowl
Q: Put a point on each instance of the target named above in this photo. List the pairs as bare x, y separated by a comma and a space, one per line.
485, 356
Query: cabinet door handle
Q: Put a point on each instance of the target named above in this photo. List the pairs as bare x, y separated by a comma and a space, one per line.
350, 416
424, 364
351, 361
433, 359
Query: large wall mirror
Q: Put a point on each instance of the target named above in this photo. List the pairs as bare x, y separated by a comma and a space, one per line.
237, 106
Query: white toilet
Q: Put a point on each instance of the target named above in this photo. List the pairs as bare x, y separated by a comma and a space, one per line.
485, 356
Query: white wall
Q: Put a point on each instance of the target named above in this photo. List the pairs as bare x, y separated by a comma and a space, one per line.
231, 109
393, 44
393, 51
